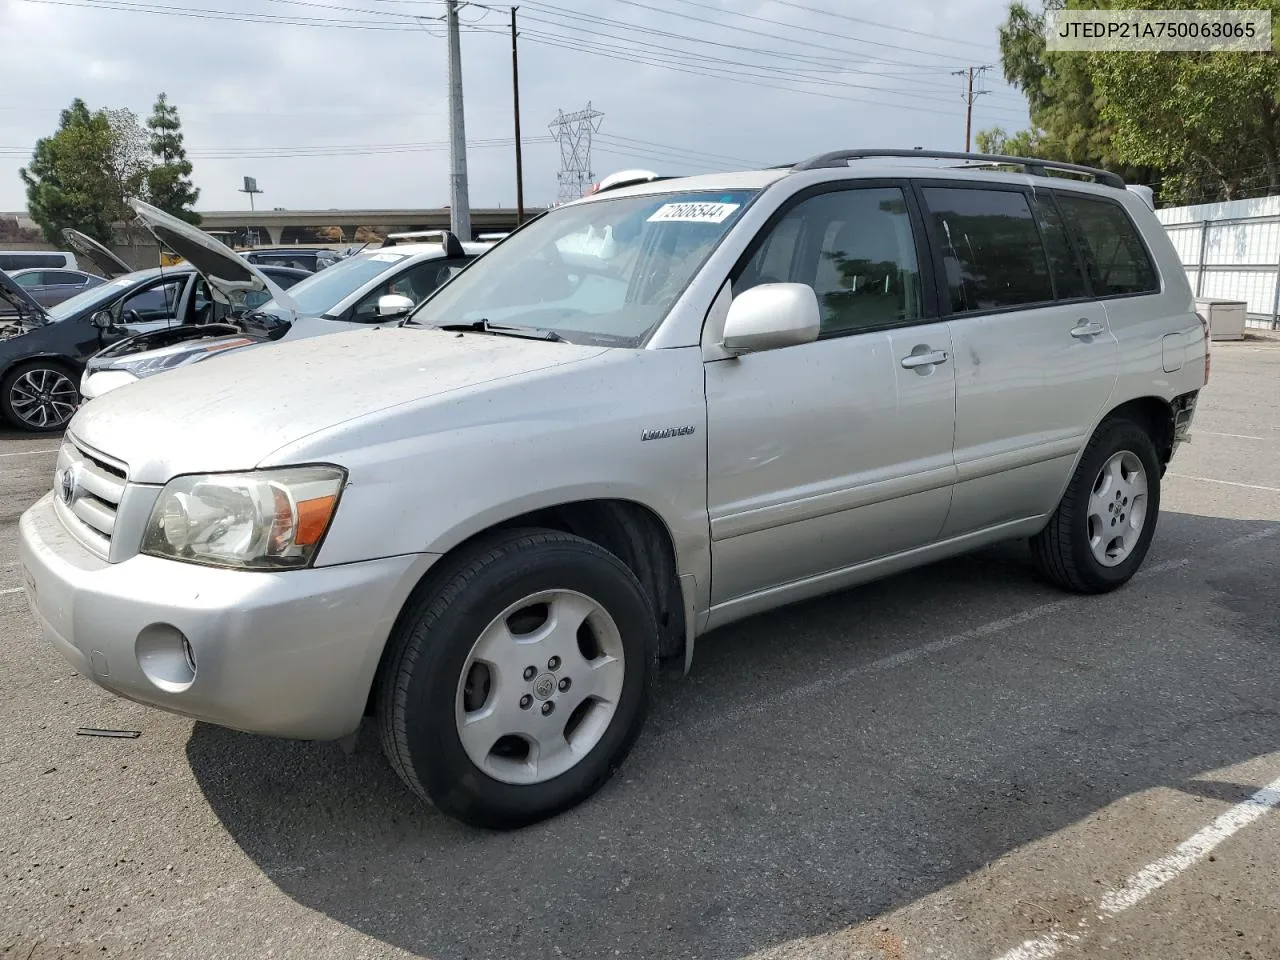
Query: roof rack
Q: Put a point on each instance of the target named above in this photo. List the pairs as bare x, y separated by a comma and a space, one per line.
1034, 167
448, 239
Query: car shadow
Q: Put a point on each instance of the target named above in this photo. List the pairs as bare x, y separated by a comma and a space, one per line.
749, 816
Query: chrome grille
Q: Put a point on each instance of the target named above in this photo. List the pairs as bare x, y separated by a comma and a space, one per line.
87, 489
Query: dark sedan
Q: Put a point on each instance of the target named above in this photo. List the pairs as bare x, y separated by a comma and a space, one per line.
43, 350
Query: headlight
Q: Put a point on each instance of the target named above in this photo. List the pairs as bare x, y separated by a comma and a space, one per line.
150, 363
265, 520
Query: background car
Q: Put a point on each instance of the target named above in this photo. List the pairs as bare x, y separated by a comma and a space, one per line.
377, 286
44, 349
304, 258
26, 259
48, 287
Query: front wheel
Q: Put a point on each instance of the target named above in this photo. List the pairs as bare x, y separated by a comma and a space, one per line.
1102, 529
519, 681
38, 396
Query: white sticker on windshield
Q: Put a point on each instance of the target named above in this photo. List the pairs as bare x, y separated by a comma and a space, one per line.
388, 257
693, 212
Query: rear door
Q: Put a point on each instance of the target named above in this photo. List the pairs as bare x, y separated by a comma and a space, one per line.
1035, 360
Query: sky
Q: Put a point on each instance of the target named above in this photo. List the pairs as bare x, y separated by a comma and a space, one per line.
343, 103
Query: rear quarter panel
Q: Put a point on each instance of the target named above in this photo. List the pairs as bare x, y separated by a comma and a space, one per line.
1162, 344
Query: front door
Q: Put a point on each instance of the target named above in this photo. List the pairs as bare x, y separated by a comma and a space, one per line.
828, 454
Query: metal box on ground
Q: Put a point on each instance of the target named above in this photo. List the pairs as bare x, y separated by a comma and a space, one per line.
1226, 317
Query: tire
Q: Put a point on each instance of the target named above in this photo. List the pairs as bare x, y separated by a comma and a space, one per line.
39, 396
1078, 550
461, 733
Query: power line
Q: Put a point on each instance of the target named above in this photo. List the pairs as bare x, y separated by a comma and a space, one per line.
704, 62
783, 23
883, 26
747, 78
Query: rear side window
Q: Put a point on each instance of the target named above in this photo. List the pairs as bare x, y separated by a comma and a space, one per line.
1068, 281
63, 277
23, 261
1115, 256
991, 249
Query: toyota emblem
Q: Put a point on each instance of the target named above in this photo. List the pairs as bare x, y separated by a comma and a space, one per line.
67, 485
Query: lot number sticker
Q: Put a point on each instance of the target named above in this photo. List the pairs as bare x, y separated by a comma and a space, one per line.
693, 212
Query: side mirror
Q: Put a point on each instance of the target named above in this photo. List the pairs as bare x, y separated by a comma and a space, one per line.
770, 316
393, 305
102, 320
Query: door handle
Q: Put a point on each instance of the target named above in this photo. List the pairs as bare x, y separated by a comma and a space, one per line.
1087, 328
924, 359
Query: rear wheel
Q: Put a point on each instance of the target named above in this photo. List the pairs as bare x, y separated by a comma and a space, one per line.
39, 396
519, 681
1098, 537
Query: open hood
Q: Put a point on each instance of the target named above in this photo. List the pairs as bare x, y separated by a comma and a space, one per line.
229, 275
106, 261
20, 300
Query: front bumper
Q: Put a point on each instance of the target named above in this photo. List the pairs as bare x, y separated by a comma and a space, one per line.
290, 654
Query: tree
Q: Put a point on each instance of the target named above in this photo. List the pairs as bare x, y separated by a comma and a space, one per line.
1065, 105
1210, 118
72, 180
169, 179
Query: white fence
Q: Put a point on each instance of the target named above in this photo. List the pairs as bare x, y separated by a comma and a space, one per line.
1231, 251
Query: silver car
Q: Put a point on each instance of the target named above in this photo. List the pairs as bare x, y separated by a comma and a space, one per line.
639, 417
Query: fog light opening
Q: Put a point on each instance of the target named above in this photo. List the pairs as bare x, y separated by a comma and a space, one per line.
166, 657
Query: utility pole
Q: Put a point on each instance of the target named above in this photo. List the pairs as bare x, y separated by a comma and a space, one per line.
515, 96
970, 95
459, 203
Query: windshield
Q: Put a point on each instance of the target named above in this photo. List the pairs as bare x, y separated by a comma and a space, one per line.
321, 292
102, 294
605, 272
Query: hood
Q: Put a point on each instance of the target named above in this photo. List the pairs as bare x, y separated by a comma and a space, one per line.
233, 414
19, 299
101, 257
229, 275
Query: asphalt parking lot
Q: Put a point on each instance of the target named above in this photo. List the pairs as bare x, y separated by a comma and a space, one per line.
960, 762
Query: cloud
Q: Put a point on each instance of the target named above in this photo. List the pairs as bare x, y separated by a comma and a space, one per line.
684, 85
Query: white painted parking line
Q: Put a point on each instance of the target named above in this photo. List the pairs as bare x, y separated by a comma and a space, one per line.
1157, 873
1233, 436
1040, 948
29, 453
1226, 483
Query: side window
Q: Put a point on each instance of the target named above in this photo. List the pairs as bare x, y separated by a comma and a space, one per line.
63, 277
1115, 256
991, 248
416, 283
28, 280
1068, 281
156, 303
855, 248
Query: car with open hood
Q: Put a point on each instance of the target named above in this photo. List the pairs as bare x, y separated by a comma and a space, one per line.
43, 350
372, 287
643, 415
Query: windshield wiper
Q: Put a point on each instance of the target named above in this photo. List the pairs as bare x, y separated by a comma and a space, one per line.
503, 330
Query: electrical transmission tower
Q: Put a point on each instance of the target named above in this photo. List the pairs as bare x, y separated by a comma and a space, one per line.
574, 132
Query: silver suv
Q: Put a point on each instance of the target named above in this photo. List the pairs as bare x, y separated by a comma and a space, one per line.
639, 417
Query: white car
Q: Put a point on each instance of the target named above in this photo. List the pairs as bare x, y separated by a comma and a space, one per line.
378, 286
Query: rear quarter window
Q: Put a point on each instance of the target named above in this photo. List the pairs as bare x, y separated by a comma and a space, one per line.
1115, 256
